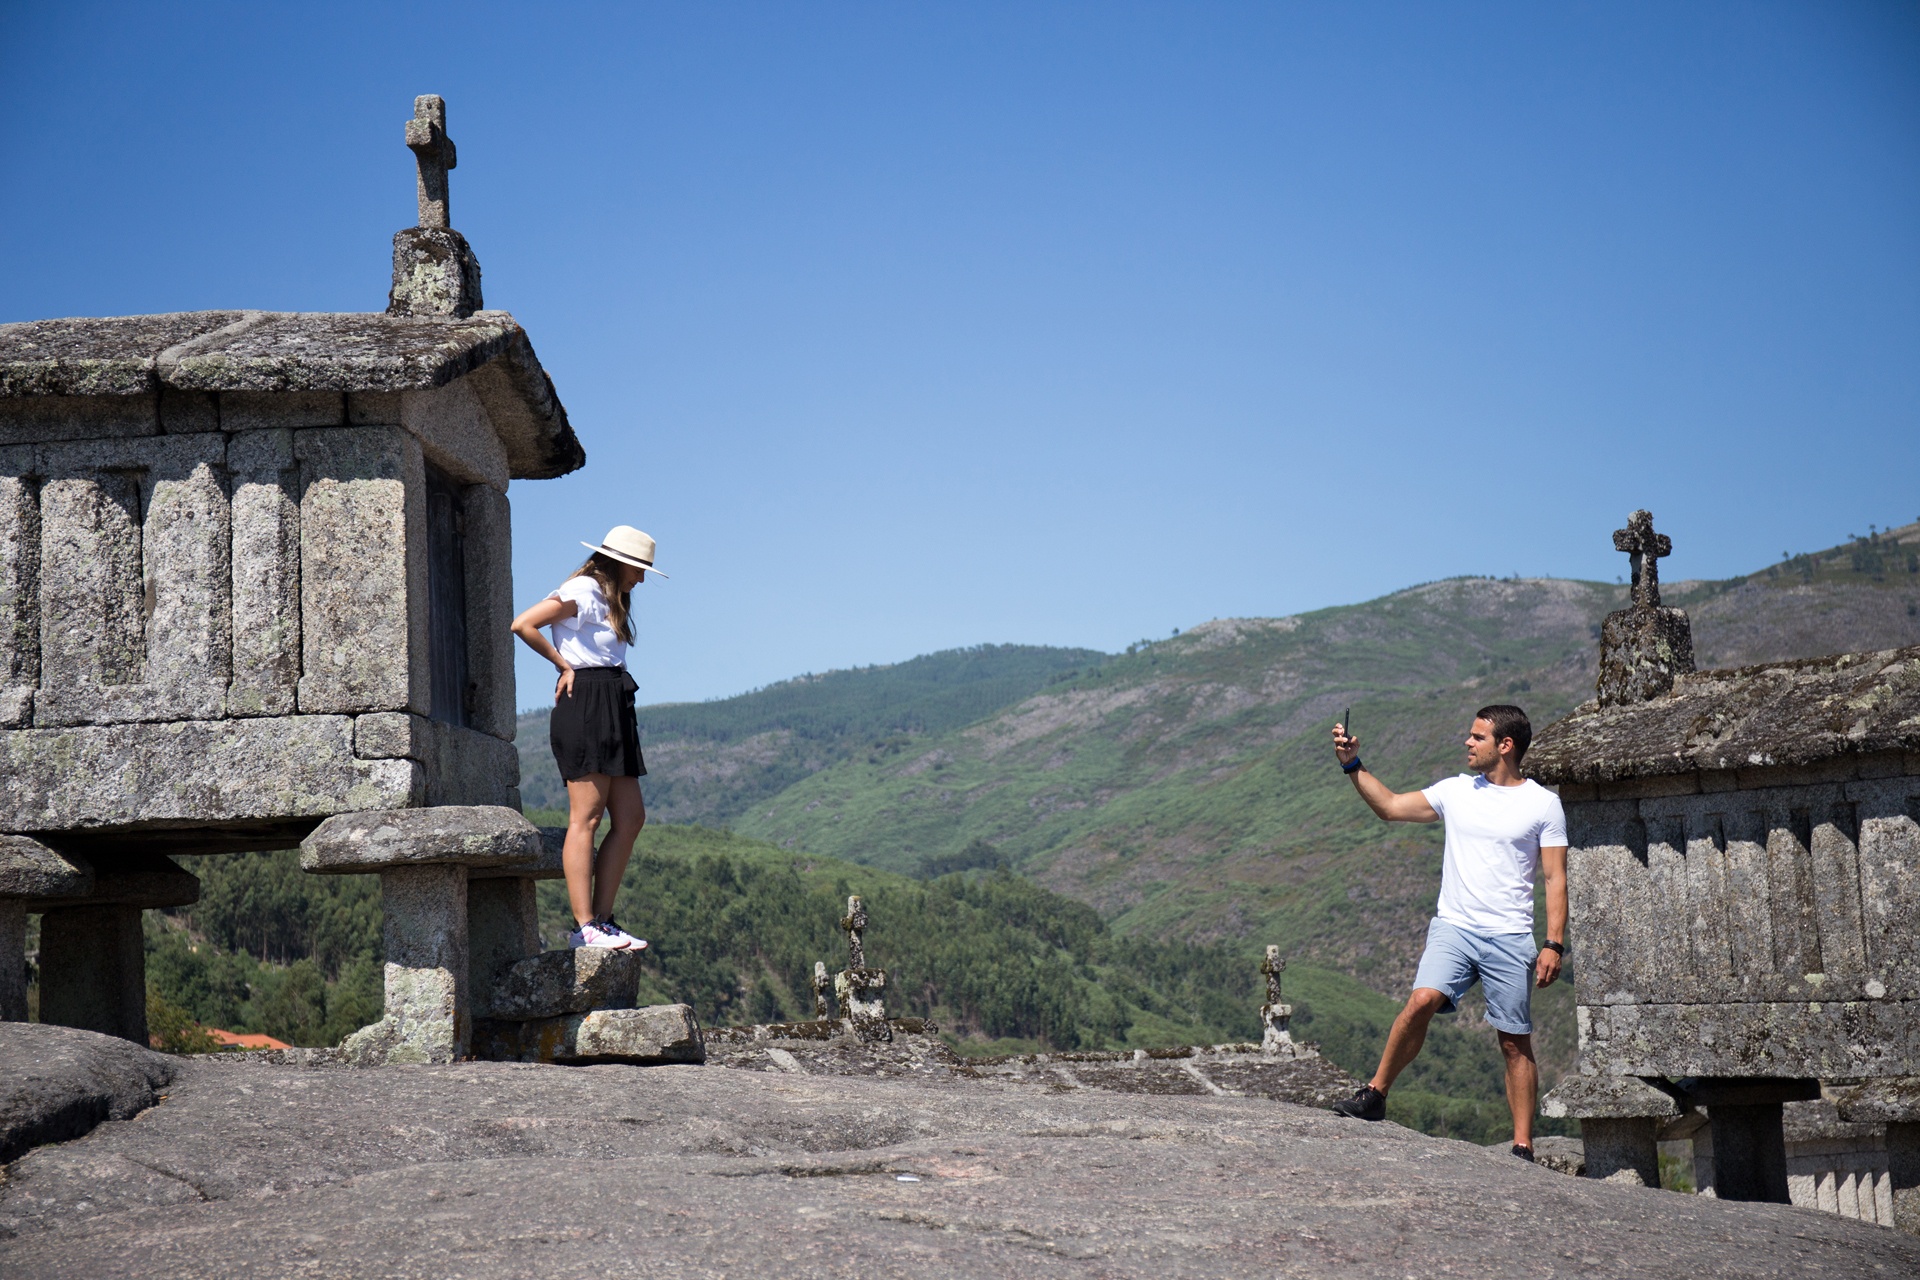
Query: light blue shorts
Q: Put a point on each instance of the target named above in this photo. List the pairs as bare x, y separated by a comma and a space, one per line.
1502, 963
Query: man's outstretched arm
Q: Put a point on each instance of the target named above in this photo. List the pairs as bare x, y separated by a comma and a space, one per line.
1390, 805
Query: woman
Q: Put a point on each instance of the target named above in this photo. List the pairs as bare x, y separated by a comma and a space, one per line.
596, 740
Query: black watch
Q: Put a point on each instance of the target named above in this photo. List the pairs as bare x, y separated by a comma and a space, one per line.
1551, 945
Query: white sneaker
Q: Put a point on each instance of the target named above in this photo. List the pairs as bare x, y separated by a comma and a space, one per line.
595, 934
632, 943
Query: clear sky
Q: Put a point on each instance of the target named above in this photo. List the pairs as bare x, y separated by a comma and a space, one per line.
907, 326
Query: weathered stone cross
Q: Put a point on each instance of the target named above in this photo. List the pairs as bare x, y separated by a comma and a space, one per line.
433, 149
1646, 547
1276, 1037
821, 985
854, 924
857, 988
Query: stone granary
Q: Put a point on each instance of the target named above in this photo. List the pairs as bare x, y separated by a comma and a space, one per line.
255, 572
1744, 879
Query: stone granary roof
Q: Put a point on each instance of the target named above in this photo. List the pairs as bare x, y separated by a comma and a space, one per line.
278, 352
1777, 713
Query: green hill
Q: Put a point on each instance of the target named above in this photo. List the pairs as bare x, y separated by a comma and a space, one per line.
709, 761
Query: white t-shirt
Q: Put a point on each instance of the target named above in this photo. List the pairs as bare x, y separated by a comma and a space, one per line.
1494, 835
587, 639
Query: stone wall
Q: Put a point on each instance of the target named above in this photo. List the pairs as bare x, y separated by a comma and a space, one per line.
224, 625
1755, 923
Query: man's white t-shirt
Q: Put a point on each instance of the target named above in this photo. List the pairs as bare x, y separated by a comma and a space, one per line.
587, 639
1494, 836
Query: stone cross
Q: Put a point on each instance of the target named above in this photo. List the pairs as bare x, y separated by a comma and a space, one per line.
433, 149
1646, 547
821, 985
854, 924
857, 988
1276, 1036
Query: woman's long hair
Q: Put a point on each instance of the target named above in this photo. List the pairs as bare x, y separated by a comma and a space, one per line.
605, 570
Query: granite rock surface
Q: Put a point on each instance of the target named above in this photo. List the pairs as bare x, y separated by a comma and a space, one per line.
494, 1169
57, 1083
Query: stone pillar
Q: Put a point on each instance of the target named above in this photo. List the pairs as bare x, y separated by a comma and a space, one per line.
1620, 1119
425, 935
1747, 1145
13, 960
423, 858
1903, 1163
93, 970
32, 877
1626, 1149
1749, 1152
93, 953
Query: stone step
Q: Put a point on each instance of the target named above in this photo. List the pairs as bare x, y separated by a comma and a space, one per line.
556, 983
659, 1033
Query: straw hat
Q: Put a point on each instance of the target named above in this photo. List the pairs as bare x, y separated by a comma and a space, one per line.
629, 546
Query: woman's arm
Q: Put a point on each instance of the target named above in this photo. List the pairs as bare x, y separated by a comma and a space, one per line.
527, 627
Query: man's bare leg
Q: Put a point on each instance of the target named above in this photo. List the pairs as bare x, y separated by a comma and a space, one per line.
1408, 1034
1523, 1081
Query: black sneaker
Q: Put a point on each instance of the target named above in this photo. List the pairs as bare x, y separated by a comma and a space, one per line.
1368, 1104
1524, 1153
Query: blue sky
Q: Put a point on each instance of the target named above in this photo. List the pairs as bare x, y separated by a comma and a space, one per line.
910, 326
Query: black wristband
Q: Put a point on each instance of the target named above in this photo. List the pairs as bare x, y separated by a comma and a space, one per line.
1355, 767
1559, 948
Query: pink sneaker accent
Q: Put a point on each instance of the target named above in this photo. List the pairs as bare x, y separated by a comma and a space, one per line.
633, 943
594, 934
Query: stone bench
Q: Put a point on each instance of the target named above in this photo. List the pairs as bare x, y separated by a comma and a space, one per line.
465, 971
93, 968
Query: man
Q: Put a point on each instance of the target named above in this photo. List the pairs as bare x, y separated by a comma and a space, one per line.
1502, 830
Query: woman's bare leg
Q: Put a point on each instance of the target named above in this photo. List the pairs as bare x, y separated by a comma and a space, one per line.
586, 801
629, 814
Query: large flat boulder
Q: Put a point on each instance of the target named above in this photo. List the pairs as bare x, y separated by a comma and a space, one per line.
488, 1169
555, 983
57, 1083
659, 1033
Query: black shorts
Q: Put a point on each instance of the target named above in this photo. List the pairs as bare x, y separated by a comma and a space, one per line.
593, 729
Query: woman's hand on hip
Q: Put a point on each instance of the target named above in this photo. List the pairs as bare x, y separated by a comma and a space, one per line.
563, 688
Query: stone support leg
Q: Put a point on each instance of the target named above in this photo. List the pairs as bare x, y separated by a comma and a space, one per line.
13, 960
1749, 1152
503, 927
1903, 1163
1623, 1150
427, 1017
93, 970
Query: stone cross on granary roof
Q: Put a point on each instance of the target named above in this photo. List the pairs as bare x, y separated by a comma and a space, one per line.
433, 149
1646, 547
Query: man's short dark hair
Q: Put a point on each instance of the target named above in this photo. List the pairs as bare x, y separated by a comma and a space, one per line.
1508, 722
